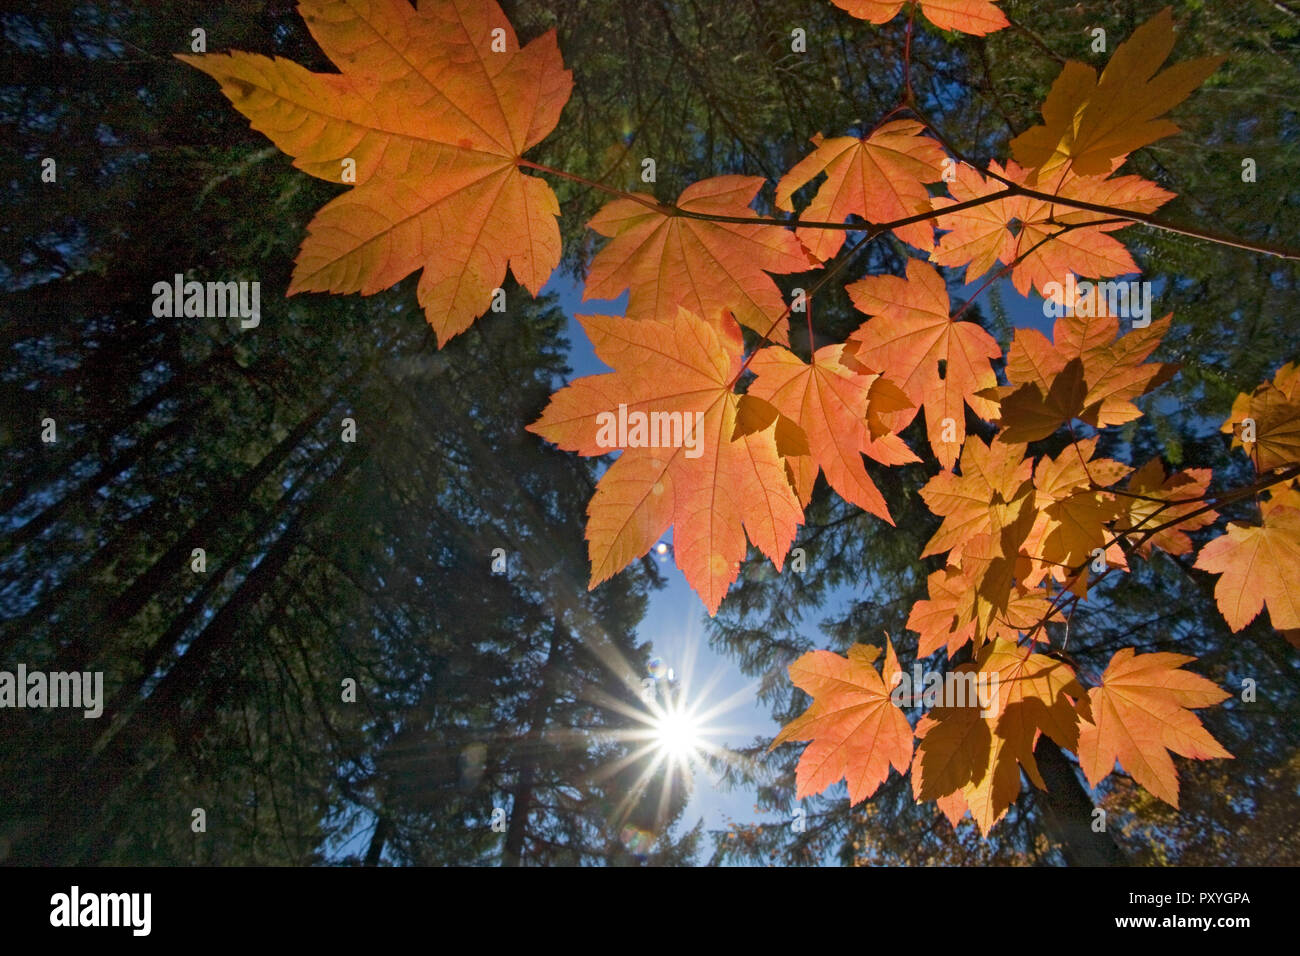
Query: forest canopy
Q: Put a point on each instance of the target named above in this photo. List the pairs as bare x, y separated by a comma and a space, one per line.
959, 336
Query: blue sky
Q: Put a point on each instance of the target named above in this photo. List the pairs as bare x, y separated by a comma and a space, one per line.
674, 622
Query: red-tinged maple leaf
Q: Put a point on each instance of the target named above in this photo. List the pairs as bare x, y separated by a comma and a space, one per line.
431, 122
856, 730
1052, 240
910, 335
977, 17
1114, 371
992, 492
1266, 422
829, 401
1090, 122
1258, 565
880, 177
1156, 499
669, 260
669, 404
1140, 713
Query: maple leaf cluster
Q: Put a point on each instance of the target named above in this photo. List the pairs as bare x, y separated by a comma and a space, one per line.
434, 110
429, 118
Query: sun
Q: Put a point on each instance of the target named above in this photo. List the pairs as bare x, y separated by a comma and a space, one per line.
678, 733
672, 735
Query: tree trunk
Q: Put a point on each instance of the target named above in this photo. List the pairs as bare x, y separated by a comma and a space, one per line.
1068, 812
512, 854
70, 825
376, 847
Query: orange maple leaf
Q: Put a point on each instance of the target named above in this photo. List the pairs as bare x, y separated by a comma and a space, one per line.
754, 414
1258, 565
954, 747
1158, 499
830, 401
988, 511
1139, 714
1074, 513
980, 754
1053, 239
977, 17
880, 177
1030, 414
1266, 422
429, 122
669, 404
1089, 122
992, 492
669, 260
1037, 695
910, 335
857, 731
934, 618
949, 617
1113, 372
977, 236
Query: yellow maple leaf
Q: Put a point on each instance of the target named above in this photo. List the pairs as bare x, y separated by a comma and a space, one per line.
1074, 513
1141, 711
1257, 565
1088, 122
1266, 422
1156, 499
990, 494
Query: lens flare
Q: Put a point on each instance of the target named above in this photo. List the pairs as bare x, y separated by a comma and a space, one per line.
677, 732
674, 736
